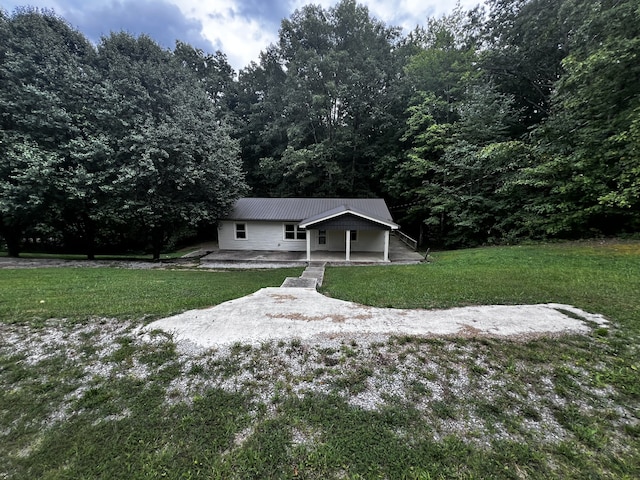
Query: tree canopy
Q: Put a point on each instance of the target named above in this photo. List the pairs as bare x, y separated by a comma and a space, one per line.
126, 143
513, 121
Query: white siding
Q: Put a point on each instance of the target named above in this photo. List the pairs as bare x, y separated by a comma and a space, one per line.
369, 241
270, 236
260, 236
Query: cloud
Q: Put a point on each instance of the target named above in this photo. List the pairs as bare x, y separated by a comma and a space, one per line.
242, 28
239, 28
161, 20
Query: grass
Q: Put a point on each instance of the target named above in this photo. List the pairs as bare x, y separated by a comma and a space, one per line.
591, 276
91, 398
81, 293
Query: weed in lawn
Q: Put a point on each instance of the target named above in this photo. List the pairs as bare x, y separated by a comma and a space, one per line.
415, 418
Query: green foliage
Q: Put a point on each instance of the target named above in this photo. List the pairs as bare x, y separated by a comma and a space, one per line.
513, 121
586, 179
127, 140
323, 103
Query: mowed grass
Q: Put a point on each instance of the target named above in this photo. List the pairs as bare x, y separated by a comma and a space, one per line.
77, 294
92, 398
602, 277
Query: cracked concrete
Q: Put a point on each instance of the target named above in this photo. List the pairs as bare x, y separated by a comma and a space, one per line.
284, 313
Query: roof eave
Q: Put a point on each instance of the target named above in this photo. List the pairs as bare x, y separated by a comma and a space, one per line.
306, 223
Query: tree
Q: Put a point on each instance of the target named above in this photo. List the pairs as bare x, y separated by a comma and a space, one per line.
586, 181
453, 176
25, 174
325, 98
46, 75
440, 74
261, 130
176, 165
526, 41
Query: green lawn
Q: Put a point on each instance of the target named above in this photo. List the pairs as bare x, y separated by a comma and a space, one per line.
89, 397
603, 277
82, 293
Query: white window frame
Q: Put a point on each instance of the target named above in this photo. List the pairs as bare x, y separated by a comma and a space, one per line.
322, 235
298, 233
354, 236
236, 230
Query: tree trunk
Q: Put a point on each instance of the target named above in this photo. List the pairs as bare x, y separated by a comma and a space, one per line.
90, 237
157, 242
12, 239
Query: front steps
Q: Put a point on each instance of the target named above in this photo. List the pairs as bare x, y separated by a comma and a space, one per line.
312, 277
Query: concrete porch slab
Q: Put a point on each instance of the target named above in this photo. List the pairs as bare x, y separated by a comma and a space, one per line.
399, 253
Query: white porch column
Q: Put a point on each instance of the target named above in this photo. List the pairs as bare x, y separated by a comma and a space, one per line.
348, 246
308, 245
386, 245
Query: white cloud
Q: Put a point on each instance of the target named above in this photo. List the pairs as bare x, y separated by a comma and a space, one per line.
243, 34
240, 38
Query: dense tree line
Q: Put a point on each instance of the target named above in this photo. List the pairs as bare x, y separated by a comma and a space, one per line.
124, 144
517, 120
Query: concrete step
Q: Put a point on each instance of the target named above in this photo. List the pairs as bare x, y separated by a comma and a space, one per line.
311, 277
315, 270
299, 282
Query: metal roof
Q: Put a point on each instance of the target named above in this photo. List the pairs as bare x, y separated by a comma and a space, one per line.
342, 211
299, 209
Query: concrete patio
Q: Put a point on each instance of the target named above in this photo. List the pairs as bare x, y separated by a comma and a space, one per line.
399, 253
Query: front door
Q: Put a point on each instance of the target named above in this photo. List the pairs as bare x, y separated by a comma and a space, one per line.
322, 240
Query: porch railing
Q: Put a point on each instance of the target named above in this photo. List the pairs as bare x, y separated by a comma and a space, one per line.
407, 240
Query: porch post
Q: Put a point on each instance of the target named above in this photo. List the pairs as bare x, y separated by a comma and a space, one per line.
308, 245
348, 246
386, 245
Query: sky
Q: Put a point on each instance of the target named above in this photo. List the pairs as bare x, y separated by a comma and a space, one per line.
239, 28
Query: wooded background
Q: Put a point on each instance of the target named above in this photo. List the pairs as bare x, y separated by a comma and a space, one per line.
519, 120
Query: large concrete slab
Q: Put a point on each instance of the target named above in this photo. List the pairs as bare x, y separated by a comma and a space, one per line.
399, 253
280, 313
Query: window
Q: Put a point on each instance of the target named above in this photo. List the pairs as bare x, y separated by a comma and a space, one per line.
354, 235
292, 232
322, 237
241, 231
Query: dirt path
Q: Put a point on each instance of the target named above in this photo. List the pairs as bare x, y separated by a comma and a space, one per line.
10, 262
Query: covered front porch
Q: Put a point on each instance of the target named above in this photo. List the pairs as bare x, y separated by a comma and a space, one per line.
399, 253
347, 245
348, 231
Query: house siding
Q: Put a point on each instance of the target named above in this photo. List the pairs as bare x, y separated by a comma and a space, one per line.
270, 236
260, 236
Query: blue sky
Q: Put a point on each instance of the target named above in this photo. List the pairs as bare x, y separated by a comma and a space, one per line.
239, 28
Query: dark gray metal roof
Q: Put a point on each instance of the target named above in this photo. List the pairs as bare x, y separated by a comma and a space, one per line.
299, 209
340, 216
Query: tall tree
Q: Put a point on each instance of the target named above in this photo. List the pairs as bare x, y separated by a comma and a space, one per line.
336, 111
46, 73
526, 41
176, 164
587, 179
440, 73
261, 129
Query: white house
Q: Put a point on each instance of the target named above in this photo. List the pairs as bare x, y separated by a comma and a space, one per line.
308, 224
